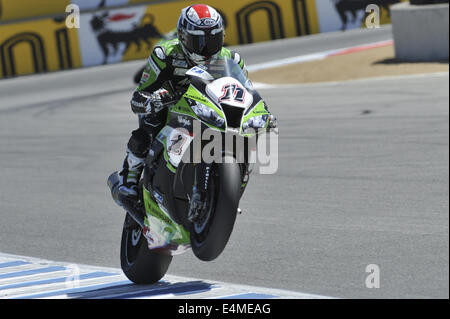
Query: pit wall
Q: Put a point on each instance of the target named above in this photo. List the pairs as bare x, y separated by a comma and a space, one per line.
34, 37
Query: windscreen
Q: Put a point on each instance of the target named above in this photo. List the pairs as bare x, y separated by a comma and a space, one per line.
226, 67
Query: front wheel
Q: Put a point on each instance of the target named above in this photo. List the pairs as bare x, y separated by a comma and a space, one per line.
140, 264
209, 237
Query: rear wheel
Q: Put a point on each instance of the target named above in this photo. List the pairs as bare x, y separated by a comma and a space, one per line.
140, 264
210, 235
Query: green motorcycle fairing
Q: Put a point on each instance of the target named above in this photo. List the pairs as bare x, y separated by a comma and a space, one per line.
205, 95
161, 231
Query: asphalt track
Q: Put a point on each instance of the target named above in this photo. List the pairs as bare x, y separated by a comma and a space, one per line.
363, 178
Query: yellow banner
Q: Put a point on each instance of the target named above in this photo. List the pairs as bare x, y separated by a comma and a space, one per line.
250, 21
37, 46
22, 9
131, 2
247, 21
26, 9
129, 32
110, 36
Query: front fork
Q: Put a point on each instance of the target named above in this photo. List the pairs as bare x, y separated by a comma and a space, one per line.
202, 176
201, 198
203, 173
246, 170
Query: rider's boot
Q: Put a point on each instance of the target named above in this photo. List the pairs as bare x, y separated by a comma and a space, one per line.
130, 174
133, 165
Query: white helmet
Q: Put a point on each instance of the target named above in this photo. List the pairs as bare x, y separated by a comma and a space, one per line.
201, 32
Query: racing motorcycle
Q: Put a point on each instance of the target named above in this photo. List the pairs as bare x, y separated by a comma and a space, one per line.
221, 99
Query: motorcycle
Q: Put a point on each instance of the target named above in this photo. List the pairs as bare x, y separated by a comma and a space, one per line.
221, 99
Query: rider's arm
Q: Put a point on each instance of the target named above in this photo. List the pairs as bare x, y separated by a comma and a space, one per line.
155, 74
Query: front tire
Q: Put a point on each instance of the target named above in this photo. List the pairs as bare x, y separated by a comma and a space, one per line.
140, 264
209, 243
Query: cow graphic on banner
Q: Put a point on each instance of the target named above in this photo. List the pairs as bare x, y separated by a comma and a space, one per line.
352, 7
110, 40
334, 15
105, 36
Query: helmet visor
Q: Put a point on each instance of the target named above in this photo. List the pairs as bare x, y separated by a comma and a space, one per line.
205, 45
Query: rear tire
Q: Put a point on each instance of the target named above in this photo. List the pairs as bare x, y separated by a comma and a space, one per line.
210, 243
140, 264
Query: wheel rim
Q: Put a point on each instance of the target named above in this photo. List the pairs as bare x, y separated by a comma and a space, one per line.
133, 239
201, 227
135, 236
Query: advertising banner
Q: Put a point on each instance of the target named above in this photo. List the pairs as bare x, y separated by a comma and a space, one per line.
128, 32
38, 46
26, 9
334, 15
110, 36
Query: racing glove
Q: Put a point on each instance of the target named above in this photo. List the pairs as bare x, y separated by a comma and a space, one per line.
272, 121
149, 104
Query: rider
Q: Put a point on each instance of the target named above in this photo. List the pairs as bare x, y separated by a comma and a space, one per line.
200, 32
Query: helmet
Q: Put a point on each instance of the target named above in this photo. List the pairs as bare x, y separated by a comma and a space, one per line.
201, 32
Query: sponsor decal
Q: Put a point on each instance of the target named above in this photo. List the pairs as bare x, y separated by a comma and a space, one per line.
184, 121
232, 92
180, 72
176, 144
200, 72
180, 63
145, 77
158, 197
118, 33
121, 16
197, 70
207, 22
